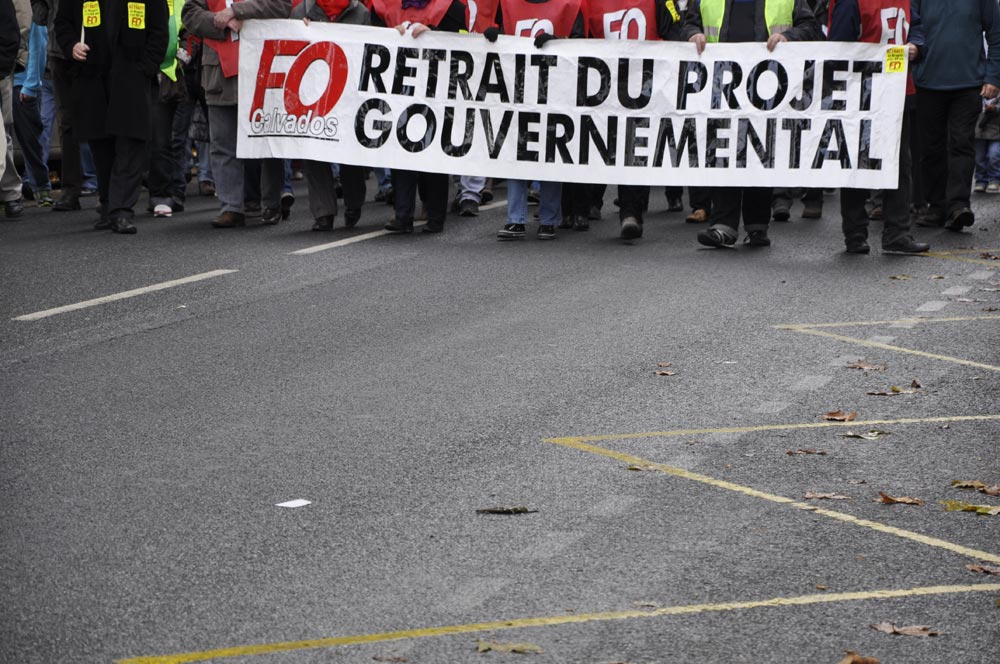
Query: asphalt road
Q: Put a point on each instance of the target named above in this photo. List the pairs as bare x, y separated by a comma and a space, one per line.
402, 383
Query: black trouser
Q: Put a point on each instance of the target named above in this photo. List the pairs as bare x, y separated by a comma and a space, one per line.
166, 181
577, 197
323, 187
895, 202
28, 129
434, 187
918, 194
120, 161
633, 201
263, 182
700, 198
62, 86
783, 196
947, 120
754, 203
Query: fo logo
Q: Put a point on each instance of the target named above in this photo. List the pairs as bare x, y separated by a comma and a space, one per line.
291, 82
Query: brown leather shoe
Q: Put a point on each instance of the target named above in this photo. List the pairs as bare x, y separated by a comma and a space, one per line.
697, 217
230, 220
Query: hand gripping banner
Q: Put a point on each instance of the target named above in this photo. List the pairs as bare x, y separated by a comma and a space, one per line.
817, 114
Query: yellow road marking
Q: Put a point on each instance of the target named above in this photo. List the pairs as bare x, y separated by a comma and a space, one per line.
774, 427
960, 255
577, 444
550, 621
796, 327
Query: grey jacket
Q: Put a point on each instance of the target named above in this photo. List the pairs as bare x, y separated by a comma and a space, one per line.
355, 14
197, 18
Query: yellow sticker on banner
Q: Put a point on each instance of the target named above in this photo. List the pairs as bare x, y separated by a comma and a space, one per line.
91, 14
170, 8
895, 60
672, 8
137, 15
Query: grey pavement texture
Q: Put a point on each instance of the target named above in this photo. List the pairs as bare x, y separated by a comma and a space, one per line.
402, 383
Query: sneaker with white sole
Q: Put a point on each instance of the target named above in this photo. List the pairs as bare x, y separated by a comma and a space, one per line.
162, 210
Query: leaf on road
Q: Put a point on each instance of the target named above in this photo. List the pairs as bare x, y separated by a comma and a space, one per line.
820, 586
871, 434
990, 309
988, 489
911, 630
812, 495
505, 510
984, 569
857, 482
894, 390
937, 276
900, 277
867, 367
901, 500
915, 384
664, 365
794, 452
986, 256
519, 648
637, 467
854, 658
665, 373
378, 658
840, 416
960, 506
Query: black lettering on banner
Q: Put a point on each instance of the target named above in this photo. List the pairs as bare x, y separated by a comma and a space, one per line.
447, 127
665, 139
635, 142
543, 62
584, 66
747, 136
834, 129
865, 160
492, 81
404, 71
433, 56
714, 143
808, 85
795, 127
685, 86
645, 92
460, 72
726, 77
384, 127
753, 80
526, 135
404, 122
832, 85
371, 74
519, 67
606, 148
867, 69
554, 140
494, 142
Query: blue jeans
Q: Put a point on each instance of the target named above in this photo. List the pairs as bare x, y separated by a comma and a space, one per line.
550, 206
987, 161
204, 163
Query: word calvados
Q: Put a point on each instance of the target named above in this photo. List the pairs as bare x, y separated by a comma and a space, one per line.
621, 112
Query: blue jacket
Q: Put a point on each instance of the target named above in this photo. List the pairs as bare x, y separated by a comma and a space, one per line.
950, 38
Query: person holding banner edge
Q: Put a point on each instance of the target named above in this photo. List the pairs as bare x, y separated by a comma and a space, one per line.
771, 21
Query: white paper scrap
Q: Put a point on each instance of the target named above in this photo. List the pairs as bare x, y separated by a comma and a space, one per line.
298, 502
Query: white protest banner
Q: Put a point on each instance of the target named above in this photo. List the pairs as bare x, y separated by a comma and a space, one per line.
811, 114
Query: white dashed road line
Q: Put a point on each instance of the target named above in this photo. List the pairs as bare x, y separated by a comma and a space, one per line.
957, 290
933, 305
982, 275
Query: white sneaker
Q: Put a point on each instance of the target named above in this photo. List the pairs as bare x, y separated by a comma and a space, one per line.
162, 210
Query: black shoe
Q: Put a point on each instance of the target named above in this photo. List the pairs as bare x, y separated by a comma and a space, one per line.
812, 211
351, 217
905, 245
397, 227
546, 232
13, 209
486, 196
511, 232
324, 223
757, 239
674, 204
123, 225
567, 222
434, 227
781, 213
713, 237
287, 201
631, 228
468, 208
582, 223
593, 214
957, 220
857, 246
454, 207
67, 202
931, 218
270, 216
102, 224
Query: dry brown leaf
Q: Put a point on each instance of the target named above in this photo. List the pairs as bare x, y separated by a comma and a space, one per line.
854, 658
812, 495
872, 434
894, 391
991, 309
664, 365
901, 500
519, 648
635, 467
857, 482
910, 630
937, 277
378, 658
817, 452
840, 416
960, 506
981, 487
984, 569
867, 367
665, 373
505, 510
821, 587
900, 277
989, 257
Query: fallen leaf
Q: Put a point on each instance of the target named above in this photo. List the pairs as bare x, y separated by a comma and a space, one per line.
519, 648
794, 452
984, 569
505, 510
911, 630
377, 658
639, 467
811, 495
821, 587
854, 658
900, 277
915, 385
871, 434
988, 489
840, 416
989, 256
867, 367
664, 365
646, 605
665, 373
857, 482
991, 309
960, 506
901, 500
937, 276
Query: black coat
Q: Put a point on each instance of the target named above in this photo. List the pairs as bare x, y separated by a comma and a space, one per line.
112, 90
10, 37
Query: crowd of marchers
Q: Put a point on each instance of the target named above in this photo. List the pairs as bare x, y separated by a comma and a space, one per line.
144, 93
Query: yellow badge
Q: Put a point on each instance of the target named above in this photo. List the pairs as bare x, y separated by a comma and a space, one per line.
672, 8
91, 14
137, 15
170, 8
895, 60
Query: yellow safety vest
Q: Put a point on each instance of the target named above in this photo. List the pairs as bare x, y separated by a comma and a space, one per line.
777, 15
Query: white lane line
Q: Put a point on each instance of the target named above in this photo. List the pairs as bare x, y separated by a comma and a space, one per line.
982, 275
125, 295
374, 234
933, 305
957, 290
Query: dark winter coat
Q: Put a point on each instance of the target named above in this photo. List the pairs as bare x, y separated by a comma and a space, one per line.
10, 37
112, 90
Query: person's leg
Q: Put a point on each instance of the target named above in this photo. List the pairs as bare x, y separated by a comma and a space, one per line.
700, 199
549, 203
917, 194
28, 129
404, 184
63, 73
982, 164
812, 201
252, 173
272, 185
727, 204
126, 178
161, 159
180, 149
352, 179
993, 165
470, 194
104, 157
757, 214
962, 114
633, 201
932, 116
896, 237
226, 167
322, 194
517, 201
854, 220
781, 205
88, 169
436, 201
47, 111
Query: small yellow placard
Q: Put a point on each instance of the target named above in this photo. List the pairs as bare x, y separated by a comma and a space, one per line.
137, 15
895, 60
91, 14
672, 8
